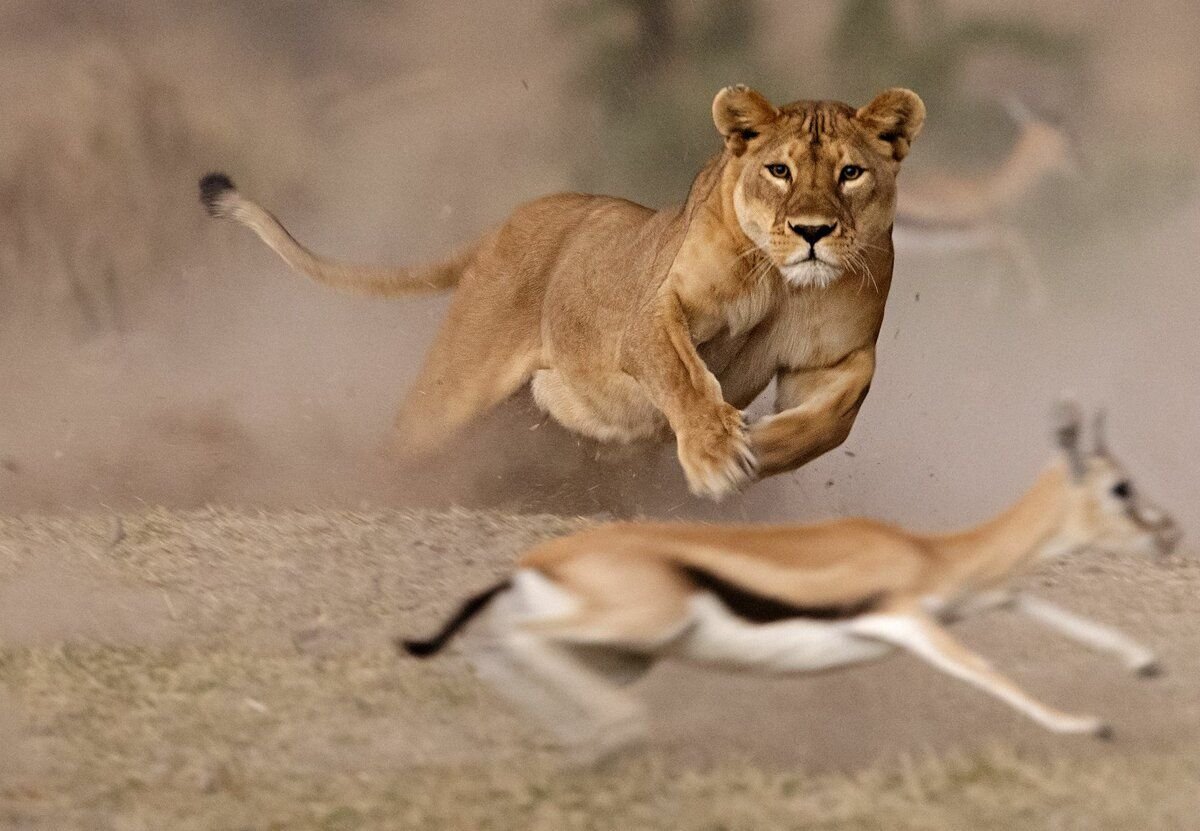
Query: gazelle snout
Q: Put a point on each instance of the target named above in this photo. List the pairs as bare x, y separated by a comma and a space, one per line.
1162, 526
1157, 528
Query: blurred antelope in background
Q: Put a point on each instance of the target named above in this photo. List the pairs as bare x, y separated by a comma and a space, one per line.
943, 214
584, 615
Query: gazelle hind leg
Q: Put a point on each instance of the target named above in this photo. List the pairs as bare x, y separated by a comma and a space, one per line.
1016, 249
582, 707
524, 691
610, 716
496, 663
922, 637
573, 692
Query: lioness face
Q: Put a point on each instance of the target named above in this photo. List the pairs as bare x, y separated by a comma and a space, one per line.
817, 187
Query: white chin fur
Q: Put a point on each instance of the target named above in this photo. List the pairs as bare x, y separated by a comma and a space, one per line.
816, 273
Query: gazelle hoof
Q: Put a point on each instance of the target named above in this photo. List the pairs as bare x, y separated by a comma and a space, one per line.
1150, 669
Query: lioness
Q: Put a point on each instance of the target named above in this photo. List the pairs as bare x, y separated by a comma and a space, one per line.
628, 320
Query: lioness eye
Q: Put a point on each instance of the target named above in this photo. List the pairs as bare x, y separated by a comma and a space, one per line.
779, 171
1122, 489
850, 172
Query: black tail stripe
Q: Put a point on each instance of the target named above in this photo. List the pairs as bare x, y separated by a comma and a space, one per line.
470, 607
758, 608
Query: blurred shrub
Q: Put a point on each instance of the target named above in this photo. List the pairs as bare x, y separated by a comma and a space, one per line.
97, 180
650, 65
647, 74
873, 46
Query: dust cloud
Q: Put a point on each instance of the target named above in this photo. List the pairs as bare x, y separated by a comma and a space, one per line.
154, 357
222, 658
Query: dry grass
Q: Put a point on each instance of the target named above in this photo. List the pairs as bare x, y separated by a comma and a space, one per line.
231, 669
219, 739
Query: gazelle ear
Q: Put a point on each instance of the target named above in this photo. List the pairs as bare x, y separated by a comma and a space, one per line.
1099, 433
1068, 424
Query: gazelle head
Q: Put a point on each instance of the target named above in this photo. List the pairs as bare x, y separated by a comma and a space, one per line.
1105, 510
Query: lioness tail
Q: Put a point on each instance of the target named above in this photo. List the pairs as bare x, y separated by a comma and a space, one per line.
222, 200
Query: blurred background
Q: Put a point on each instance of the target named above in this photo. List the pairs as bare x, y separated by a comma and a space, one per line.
231, 667
152, 356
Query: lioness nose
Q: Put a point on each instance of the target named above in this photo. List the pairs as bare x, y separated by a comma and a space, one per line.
812, 234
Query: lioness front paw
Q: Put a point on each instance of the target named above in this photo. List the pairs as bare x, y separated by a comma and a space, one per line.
716, 457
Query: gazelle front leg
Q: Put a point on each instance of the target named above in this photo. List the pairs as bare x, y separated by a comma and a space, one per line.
921, 636
1136, 657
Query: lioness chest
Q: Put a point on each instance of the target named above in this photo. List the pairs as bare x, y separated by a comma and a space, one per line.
797, 329
744, 341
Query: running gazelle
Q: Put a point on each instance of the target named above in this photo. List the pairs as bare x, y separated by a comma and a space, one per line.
584, 614
944, 214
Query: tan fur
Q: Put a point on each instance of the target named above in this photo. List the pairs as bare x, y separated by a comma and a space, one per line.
630, 322
844, 561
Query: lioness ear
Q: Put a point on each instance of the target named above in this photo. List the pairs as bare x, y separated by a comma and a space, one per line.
740, 114
894, 118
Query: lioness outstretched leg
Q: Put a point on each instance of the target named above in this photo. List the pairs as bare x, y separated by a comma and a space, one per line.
710, 433
484, 352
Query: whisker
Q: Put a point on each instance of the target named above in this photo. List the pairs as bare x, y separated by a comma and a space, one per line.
761, 270
870, 246
746, 252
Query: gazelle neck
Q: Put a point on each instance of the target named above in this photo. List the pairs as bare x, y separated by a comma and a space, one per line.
989, 553
1025, 167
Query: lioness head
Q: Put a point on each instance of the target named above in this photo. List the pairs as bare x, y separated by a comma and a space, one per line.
816, 189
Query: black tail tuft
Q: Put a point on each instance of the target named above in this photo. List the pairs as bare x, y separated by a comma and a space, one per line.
470, 607
418, 649
212, 188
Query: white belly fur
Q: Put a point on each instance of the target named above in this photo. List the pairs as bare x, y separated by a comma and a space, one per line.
719, 638
536, 598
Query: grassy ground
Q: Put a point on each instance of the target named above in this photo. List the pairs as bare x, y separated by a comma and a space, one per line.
221, 669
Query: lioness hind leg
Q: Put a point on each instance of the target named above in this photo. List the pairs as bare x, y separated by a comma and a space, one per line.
480, 357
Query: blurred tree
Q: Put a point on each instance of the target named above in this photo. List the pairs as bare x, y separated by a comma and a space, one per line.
647, 69
649, 62
650, 67
874, 45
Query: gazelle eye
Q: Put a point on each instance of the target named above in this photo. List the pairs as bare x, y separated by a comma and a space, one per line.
1122, 490
850, 172
779, 171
